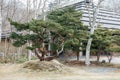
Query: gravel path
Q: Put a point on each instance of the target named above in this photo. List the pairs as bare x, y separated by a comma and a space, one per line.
100, 69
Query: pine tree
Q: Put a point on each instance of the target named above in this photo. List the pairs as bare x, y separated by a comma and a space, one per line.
102, 40
74, 33
65, 28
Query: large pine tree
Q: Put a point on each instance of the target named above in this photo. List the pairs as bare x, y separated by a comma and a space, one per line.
65, 28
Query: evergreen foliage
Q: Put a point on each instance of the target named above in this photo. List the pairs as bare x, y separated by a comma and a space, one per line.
102, 40
64, 25
105, 41
73, 32
115, 47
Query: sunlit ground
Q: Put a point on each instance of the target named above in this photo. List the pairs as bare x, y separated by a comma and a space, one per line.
15, 72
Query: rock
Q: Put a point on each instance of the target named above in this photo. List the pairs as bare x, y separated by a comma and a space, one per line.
103, 61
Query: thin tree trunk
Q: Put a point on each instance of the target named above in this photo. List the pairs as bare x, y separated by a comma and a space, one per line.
78, 56
29, 51
1, 18
98, 57
8, 47
37, 54
29, 55
0, 31
19, 52
49, 44
109, 56
60, 51
5, 48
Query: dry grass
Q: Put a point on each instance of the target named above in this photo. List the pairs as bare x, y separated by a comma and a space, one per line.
49, 66
16, 72
93, 63
110, 65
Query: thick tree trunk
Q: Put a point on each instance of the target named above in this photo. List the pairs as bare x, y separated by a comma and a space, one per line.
37, 54
43, 52
42, 57
92, 24
50, 58
87, 62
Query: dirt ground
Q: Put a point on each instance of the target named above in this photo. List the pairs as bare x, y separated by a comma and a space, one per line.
15, 72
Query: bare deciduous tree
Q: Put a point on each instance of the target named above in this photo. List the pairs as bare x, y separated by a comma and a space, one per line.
92, 24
